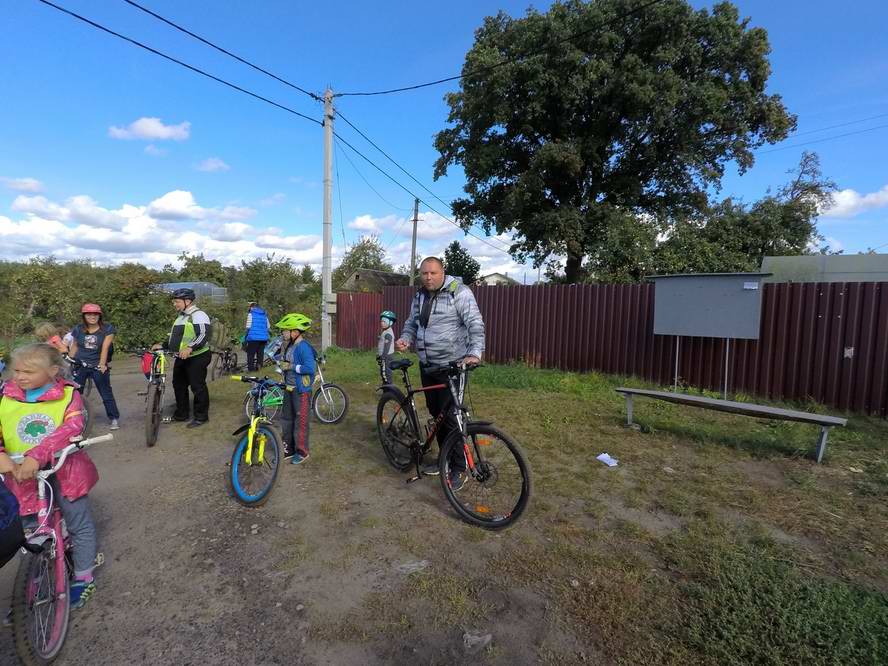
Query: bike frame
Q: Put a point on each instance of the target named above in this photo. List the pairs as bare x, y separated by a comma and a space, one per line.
262, 387
454, 406
51, 532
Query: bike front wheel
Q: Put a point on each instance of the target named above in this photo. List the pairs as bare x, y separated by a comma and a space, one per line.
253, 479
40, 608
485, 476
153, 411
396, 432
329, 403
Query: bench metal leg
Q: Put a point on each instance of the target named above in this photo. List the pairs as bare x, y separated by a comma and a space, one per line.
821, 442
628, 409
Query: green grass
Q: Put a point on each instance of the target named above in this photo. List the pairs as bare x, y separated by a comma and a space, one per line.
717, 540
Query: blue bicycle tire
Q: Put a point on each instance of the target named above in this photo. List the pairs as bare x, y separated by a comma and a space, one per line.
272, 454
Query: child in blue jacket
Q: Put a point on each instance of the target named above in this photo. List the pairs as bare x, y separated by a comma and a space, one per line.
297, 358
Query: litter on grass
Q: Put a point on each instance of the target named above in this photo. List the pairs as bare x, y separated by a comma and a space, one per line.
607, 460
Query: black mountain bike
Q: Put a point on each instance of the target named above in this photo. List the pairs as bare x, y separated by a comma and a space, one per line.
495, 487
154, 393
224, 363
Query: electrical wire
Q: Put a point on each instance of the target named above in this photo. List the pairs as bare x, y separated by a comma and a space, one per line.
339, 194
366, 182
415, 196
221, 50
177, 61
828, 138
488, 68
850, 122
392, 160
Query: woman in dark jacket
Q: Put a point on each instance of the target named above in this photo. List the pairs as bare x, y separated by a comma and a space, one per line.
256, 336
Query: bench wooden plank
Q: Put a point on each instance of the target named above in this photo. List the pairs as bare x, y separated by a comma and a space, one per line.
744, 408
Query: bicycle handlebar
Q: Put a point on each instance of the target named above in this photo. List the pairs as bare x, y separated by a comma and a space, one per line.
75, 361
62, 455
453, 368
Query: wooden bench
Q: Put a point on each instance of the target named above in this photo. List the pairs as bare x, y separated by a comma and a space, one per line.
743, 408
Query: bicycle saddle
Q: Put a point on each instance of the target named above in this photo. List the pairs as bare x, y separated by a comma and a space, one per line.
401, 363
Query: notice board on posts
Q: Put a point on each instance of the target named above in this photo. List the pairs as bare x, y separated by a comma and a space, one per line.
709, 305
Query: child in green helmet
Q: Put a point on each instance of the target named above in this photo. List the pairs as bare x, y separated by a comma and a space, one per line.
298, 359
385, 350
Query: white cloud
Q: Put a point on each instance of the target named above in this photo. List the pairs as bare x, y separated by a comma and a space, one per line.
212, 165
151, 129
154, 234
850, 203
39, 206
180, 205
274, 200
154, 151
22, 184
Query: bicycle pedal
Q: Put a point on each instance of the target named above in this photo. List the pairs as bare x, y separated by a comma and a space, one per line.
415, 478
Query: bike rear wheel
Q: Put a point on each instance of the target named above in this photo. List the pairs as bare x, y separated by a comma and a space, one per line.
497, 486
251, 480
153, 414
396, 431
329, 403
271, 404
40, 608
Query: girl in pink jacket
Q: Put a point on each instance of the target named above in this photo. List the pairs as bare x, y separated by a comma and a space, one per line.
39, 414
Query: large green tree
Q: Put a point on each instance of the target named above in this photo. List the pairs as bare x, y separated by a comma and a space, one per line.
570, 122
458, 262
366, 253
727, 236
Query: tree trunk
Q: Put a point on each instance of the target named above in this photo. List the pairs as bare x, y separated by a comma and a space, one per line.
572, 268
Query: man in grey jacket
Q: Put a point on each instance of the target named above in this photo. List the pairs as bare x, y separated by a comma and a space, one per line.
446, 325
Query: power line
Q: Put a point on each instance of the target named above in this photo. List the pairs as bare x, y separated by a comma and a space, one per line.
850, 122
178, 62
366, 182
506, 61
829, 138
339, 194
391, 159
415, 196
221, 50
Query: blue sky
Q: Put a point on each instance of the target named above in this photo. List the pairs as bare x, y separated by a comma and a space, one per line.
235, 178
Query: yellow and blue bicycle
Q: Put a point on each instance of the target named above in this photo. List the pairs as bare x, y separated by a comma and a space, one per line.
257, 456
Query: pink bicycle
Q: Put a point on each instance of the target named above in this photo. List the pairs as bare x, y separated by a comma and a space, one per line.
40, 598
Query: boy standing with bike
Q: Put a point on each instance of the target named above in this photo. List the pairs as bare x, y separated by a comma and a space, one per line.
297, 358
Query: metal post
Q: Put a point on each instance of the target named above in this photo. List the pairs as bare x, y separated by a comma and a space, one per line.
413, 244
727, 357
675, 381
327, 261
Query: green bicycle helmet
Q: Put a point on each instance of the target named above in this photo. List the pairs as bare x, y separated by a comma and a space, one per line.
294, 321
388, 314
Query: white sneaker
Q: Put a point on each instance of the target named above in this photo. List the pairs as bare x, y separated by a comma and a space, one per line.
115, 425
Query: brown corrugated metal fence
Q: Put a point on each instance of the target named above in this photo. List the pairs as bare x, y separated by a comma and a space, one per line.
827, 342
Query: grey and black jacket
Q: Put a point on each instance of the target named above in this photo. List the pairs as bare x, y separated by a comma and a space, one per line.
446, 325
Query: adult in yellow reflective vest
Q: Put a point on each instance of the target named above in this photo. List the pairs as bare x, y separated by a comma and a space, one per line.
190, 341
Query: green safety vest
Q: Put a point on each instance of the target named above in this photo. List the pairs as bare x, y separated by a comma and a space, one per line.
25, 424
186, 326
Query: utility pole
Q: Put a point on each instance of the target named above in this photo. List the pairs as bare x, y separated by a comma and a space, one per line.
413, 245
328, 304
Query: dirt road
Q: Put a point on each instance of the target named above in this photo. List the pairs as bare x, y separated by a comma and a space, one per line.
320, 575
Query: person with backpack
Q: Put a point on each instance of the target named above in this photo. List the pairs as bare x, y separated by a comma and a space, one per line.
93, 343
446, 325
256, 336
189, 339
